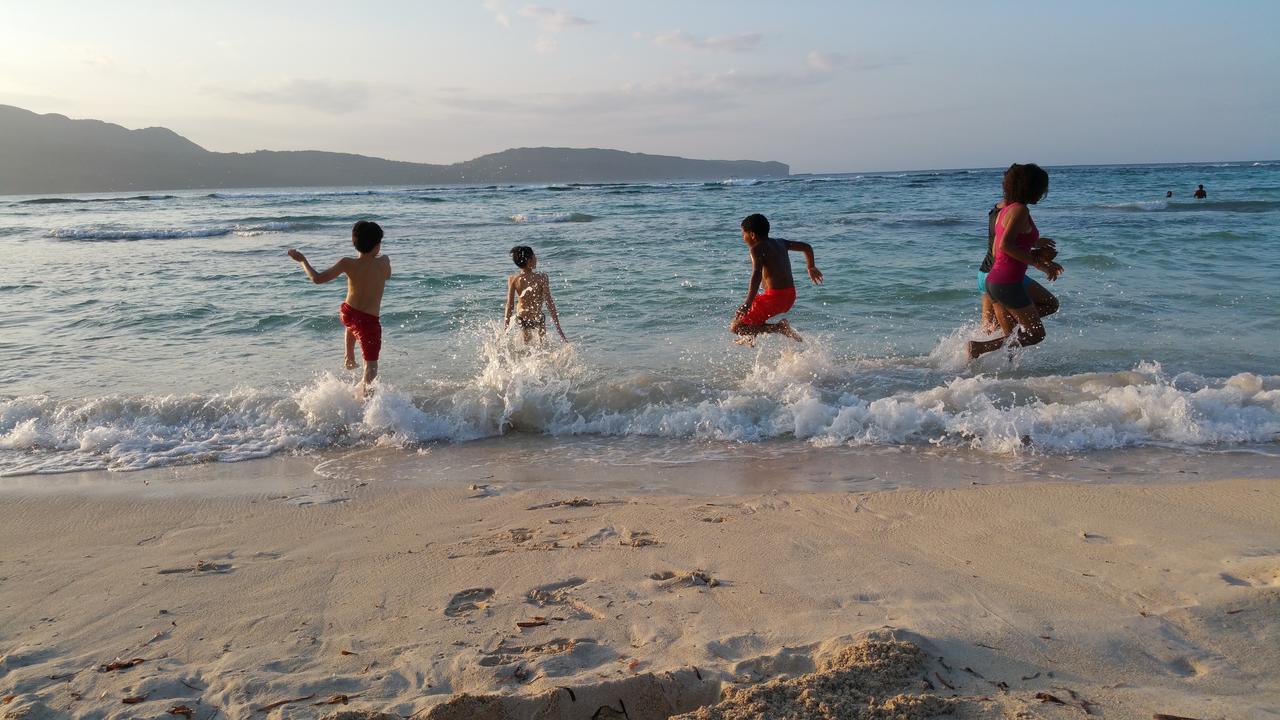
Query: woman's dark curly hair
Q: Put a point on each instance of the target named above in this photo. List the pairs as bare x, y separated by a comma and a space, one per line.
1025, 184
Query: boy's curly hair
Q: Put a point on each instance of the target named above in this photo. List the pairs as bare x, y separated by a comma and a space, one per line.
366, 235
756, 223
520, 255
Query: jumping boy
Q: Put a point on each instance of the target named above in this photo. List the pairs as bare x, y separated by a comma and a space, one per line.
770, 267
367, 277
527, 292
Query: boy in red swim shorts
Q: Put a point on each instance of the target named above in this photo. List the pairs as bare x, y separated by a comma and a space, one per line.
367, 277
770, 269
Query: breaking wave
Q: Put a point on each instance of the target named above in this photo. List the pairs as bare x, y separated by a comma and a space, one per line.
804, 396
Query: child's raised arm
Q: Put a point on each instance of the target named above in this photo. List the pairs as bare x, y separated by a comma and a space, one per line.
318, 277
803, 247
551, 307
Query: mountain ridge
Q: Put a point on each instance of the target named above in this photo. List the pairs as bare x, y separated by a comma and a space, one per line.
52, 153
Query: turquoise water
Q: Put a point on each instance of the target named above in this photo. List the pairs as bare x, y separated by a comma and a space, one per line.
155, 328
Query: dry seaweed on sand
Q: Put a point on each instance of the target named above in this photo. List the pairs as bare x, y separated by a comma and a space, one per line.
863, 681
119, 664
278, 703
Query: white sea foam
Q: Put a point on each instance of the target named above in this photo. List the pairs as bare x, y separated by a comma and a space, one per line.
99, 233
111, 233
1139, 205
806, 395
255, 229
740, 182
555, 217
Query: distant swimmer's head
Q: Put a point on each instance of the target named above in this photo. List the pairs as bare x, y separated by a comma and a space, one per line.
1026, 184
1169, 194
755, 226
366, 235
523, 257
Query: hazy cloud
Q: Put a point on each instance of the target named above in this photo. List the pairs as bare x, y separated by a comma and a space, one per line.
336, 97
740, 42
683, 93
545, 44
552, 19
824, 61
499, 13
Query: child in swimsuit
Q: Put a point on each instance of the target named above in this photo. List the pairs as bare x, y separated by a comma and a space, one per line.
770, 270
367, 277
527, 292
1045, 301
1018, 245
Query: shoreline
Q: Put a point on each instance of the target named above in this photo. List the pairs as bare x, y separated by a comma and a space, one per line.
260, 582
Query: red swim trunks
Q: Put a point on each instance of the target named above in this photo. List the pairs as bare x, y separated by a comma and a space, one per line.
367, 329
767, 304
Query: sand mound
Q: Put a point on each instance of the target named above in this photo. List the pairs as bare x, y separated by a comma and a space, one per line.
862, 681
643, 697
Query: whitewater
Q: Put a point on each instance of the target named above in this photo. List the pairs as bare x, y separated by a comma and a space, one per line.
168, 328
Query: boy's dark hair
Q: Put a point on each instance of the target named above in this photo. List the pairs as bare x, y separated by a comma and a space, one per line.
520, 255
756, 223
1025, 184
366, 235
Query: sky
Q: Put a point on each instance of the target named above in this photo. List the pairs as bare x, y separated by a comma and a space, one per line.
822, 86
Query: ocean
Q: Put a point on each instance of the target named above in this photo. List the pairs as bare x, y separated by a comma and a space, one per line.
169, 328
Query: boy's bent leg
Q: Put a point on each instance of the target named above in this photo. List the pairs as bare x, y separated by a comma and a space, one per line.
349, 361
782, 326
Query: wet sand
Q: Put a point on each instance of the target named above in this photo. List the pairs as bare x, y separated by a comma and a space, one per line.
461, 587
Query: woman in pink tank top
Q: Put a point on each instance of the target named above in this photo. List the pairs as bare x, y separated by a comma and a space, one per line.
1018, 245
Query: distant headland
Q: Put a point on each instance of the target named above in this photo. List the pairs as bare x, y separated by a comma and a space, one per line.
53, 153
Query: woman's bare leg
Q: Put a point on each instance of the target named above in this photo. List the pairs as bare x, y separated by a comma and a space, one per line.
988, 313
1046, 302
1030, 332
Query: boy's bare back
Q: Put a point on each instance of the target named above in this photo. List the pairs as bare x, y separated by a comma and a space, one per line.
530, 292
367, 277
771, 255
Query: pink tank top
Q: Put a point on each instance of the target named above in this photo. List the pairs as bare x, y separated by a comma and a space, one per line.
1007, 270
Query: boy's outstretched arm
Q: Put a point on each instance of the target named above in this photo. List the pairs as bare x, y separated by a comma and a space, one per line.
803, 247
318, 277
511, 302
551, 308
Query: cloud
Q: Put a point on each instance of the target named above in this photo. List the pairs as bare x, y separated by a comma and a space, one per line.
696, 93
499, 13
335, 97
740, 42
552, 20
824, 61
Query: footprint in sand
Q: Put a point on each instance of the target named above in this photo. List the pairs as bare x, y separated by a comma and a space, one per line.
668, 580
561, 593
468, 601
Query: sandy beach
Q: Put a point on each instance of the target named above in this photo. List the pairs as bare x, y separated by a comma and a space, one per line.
265, 590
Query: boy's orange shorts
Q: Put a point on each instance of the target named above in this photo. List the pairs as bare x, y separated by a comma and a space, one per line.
367, 329
767, 304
